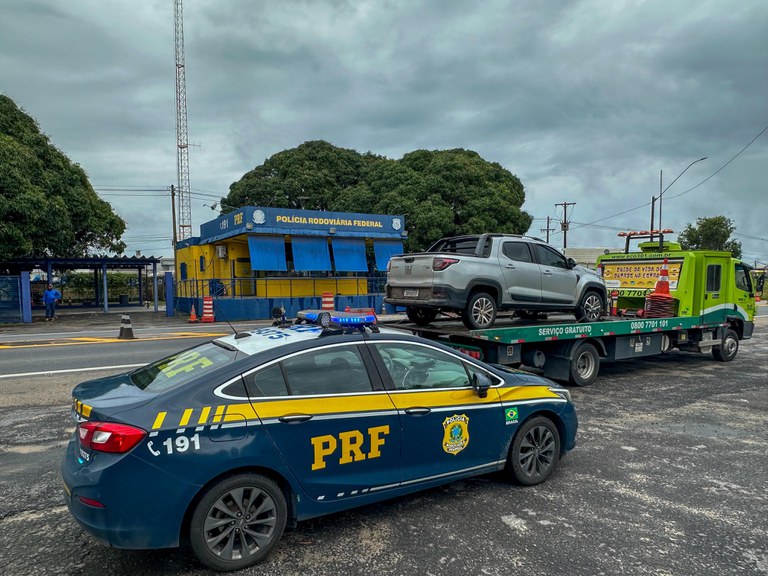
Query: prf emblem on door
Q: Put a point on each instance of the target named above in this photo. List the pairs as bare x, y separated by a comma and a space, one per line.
455, 433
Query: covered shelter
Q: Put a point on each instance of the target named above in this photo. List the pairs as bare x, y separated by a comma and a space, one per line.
22, 267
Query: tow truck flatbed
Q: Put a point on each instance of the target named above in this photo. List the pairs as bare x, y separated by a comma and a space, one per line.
571, 352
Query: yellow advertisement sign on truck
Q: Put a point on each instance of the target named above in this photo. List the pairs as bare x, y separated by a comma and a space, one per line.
641, 274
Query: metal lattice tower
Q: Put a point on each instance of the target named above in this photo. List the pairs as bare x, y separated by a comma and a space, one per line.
182, 144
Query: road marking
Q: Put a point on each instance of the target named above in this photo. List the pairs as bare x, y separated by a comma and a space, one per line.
50, 372
81, 340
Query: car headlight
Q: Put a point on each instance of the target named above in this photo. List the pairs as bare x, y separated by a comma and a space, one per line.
562, 392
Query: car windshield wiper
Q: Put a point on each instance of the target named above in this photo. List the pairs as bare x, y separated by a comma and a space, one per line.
226, 345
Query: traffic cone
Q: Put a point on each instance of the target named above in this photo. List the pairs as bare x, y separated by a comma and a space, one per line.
662, 285
193, 314
126, 330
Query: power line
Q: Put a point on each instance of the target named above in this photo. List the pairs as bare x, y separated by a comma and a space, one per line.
681, 193
723, 166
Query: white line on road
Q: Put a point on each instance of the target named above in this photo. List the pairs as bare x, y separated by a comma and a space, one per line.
49, 372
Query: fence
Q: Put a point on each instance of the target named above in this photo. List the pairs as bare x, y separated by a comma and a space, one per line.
281, 287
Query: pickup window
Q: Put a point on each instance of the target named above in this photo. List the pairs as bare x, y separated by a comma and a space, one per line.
548, 257
517, 251
464, 245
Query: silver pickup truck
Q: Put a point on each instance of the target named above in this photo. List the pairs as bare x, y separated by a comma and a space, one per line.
479, 275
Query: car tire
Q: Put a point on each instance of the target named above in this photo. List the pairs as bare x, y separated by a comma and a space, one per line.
535, 451
590, 308
728, 348
585, 364
480, 311
420, 316
237, 522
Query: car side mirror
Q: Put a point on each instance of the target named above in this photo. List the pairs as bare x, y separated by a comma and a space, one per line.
480, 384
571, 263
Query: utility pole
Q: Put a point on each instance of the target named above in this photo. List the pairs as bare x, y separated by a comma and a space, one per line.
173, 217
564, 221
548, 229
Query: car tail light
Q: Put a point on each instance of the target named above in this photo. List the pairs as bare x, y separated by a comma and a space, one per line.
109, 436
443, 263
90, 502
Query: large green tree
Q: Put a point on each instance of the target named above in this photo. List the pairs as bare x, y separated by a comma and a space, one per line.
47, 205
440, 192
711, 234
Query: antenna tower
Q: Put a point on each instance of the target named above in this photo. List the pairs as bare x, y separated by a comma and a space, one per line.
182, 144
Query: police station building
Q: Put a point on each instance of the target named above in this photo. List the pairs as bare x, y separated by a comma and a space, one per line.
255, 259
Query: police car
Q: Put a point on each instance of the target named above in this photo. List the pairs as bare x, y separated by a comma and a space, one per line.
224, 444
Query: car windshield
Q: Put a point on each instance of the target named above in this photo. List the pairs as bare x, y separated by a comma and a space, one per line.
184, 366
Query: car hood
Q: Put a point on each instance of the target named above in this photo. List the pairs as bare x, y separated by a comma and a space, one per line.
583, 270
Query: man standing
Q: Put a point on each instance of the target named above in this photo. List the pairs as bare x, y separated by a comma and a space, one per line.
50, 297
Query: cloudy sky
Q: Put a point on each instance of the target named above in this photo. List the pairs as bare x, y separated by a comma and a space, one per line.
586, 101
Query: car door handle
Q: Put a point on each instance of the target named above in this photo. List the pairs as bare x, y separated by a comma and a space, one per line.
510, 266
547, 273
295, 418
420, 411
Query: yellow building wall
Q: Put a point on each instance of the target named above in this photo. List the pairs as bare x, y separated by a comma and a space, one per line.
243, 283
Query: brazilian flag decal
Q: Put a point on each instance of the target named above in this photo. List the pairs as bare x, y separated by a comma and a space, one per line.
510, 415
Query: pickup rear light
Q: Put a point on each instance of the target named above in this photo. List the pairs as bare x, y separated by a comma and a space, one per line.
109, 436
443, 263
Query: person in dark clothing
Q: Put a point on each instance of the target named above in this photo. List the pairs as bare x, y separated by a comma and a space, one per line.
50, 297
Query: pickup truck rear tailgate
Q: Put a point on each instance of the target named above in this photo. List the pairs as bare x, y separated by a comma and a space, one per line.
410, 274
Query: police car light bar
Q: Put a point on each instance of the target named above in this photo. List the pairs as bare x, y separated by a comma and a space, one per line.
325, 318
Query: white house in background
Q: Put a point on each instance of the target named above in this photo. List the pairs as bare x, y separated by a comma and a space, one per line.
588, 256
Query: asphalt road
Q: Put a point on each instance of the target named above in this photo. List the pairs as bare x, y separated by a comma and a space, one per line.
669, 478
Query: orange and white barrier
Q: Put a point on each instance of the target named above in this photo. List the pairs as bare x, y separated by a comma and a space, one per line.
328, 301
208, 310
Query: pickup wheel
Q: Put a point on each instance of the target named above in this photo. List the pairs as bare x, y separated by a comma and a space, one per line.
480, 311
728, 348
420, 316
590, 308
585, 365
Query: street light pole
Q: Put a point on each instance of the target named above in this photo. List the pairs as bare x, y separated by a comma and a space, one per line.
670, 184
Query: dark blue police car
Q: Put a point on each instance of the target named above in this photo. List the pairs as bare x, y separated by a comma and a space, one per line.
226, 443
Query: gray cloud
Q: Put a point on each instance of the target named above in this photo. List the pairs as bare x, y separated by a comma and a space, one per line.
585, 101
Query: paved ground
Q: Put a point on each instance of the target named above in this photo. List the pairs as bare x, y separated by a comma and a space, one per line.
669, 478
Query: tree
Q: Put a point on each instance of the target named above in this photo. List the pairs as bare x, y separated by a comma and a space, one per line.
711, 234
440, 192
47, 205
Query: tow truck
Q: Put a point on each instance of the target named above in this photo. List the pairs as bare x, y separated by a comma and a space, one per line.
712, 307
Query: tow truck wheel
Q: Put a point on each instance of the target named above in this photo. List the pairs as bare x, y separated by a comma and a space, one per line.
534, 452
585, 365
237, 522
420, 316
729, 347
480, 311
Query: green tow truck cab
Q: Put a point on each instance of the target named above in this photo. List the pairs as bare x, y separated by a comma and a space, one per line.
708, 285
710, 308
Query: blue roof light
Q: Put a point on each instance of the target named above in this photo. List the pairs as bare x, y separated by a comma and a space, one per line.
345, 319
